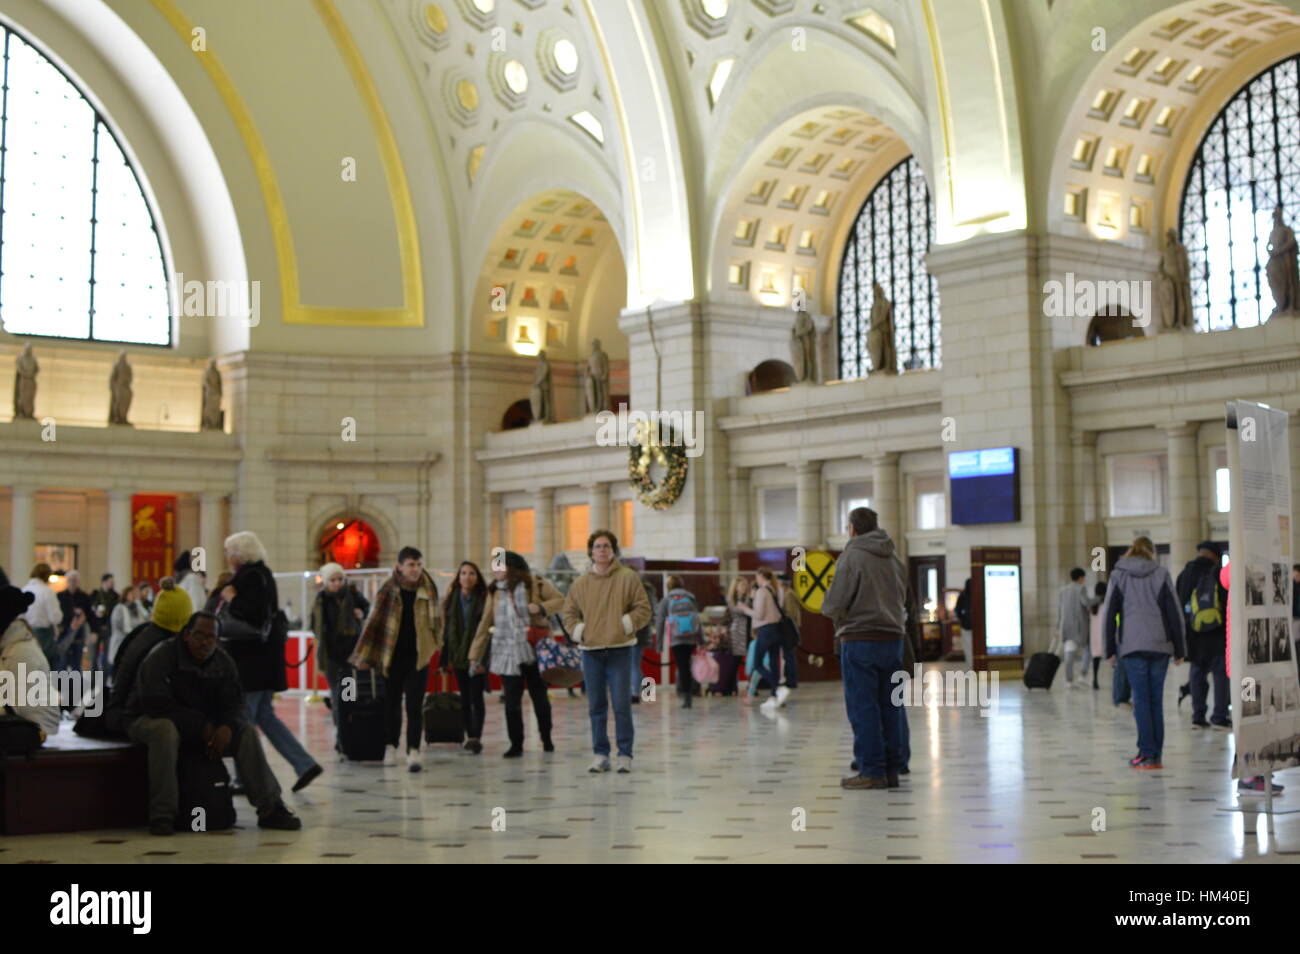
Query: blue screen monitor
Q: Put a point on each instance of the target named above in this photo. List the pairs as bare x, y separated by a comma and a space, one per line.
985, 485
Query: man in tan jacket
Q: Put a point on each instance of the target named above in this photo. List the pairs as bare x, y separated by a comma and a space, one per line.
603, 610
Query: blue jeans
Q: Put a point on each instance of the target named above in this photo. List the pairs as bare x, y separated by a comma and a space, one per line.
1146, 674
607, 675
1119, 687
47, 640
769, 646
262, 713
1214, 668
867, 668
904, 739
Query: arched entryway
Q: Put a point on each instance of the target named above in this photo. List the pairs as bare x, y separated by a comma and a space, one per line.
350, 542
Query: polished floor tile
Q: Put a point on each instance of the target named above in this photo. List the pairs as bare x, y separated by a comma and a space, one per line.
1043, 779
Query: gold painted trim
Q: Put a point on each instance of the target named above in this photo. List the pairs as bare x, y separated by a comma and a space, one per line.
945, 109
293, 311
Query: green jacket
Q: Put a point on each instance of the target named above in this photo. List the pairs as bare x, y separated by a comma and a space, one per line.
455, 651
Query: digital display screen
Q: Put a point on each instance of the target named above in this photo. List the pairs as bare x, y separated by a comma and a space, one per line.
985, 485
1002, 609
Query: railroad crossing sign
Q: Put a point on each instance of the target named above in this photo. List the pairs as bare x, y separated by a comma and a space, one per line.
812, 583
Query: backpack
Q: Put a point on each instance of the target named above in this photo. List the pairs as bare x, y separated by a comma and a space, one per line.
1206, 605
683, 617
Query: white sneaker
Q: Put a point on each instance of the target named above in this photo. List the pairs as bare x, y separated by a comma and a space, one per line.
770, 704
624, 764
413, 763
782, 694
599, 764
390, 755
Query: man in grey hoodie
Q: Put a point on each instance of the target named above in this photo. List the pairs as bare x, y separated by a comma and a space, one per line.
867, 602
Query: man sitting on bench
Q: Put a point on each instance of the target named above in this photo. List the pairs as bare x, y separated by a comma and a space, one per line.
187, 693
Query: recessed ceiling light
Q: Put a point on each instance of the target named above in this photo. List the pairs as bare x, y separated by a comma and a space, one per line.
566, 57
516, 76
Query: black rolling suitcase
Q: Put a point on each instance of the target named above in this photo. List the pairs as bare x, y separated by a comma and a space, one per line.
206, 802
361, 717
1041, 670
442, 716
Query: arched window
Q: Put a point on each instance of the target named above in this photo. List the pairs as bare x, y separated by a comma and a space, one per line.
887, 244
80, 253
1248, 163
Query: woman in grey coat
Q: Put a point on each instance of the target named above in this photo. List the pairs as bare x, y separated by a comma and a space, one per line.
1144, 627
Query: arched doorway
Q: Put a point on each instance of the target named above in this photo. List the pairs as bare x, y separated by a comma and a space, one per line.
351, 543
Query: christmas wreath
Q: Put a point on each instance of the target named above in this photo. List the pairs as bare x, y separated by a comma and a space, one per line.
646, 451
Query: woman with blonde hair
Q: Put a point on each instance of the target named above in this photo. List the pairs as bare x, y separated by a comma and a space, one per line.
1143, 628
737, 642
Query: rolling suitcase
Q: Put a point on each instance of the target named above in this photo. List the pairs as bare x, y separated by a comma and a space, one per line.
1041, 670
361, 719
442, 717
205, 801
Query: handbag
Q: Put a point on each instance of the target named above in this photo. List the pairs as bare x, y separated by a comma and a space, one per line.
704, 668
18, 736
235, 630
789, 632
559, 663
534, 634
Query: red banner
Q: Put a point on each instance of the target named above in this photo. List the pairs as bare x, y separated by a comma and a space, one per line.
153, 537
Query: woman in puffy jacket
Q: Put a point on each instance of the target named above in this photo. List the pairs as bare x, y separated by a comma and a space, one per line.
1144, 628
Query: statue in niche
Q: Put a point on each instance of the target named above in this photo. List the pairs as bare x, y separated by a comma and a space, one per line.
595, 390
1283, 275
213, 418
119, 386
541, 399
25, 371
1175, 284
880, 333
803, 347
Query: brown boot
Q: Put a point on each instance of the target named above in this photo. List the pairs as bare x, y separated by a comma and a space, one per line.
892, 779
864, 781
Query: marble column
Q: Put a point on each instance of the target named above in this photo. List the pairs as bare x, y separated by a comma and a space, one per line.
543, 526
22, 533
1293, 438
494, 521
742, 508
884, 495
598, 517
1184, 503
808, 496
118, 558
212, 537
1087, 502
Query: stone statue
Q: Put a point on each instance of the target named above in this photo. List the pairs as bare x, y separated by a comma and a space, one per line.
541, 399
1283, 276
1175, 284
880, 333
119, 386
595, 391
803, 347
213, 419
25, 371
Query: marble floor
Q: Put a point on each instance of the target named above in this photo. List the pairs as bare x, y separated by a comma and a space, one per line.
723, 782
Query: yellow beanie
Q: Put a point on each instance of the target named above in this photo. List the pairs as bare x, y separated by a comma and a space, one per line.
172, 609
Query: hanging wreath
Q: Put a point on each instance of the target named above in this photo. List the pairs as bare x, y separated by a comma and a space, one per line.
648, 450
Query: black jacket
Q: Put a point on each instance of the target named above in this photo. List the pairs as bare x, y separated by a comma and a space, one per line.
172, 684
261, 664
68, 601
135, 648
1205, 645
336, 626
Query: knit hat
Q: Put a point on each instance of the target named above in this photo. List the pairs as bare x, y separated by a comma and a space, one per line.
13, 603
1211, 546
328, 570
515, 562
172, 608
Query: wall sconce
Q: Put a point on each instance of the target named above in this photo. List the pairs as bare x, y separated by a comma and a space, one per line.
525, 341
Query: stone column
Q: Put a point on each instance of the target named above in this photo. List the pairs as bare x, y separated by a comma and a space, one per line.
1293, 437
494, 520
543, 526
808, 494
742, 506
118, 560
598, 507
212, 537
1184, 505
884, 495
22, 533
1087, 500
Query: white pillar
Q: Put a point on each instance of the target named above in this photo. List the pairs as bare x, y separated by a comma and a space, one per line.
1293, 439
742, 506
22, 533
212, 535
808, 494
598, 507
1185, 519
543, 527
1087, 502
494, 522
118, 560
884, 494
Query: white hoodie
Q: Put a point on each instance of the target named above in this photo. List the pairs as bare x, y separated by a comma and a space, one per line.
45, 610
18, 645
